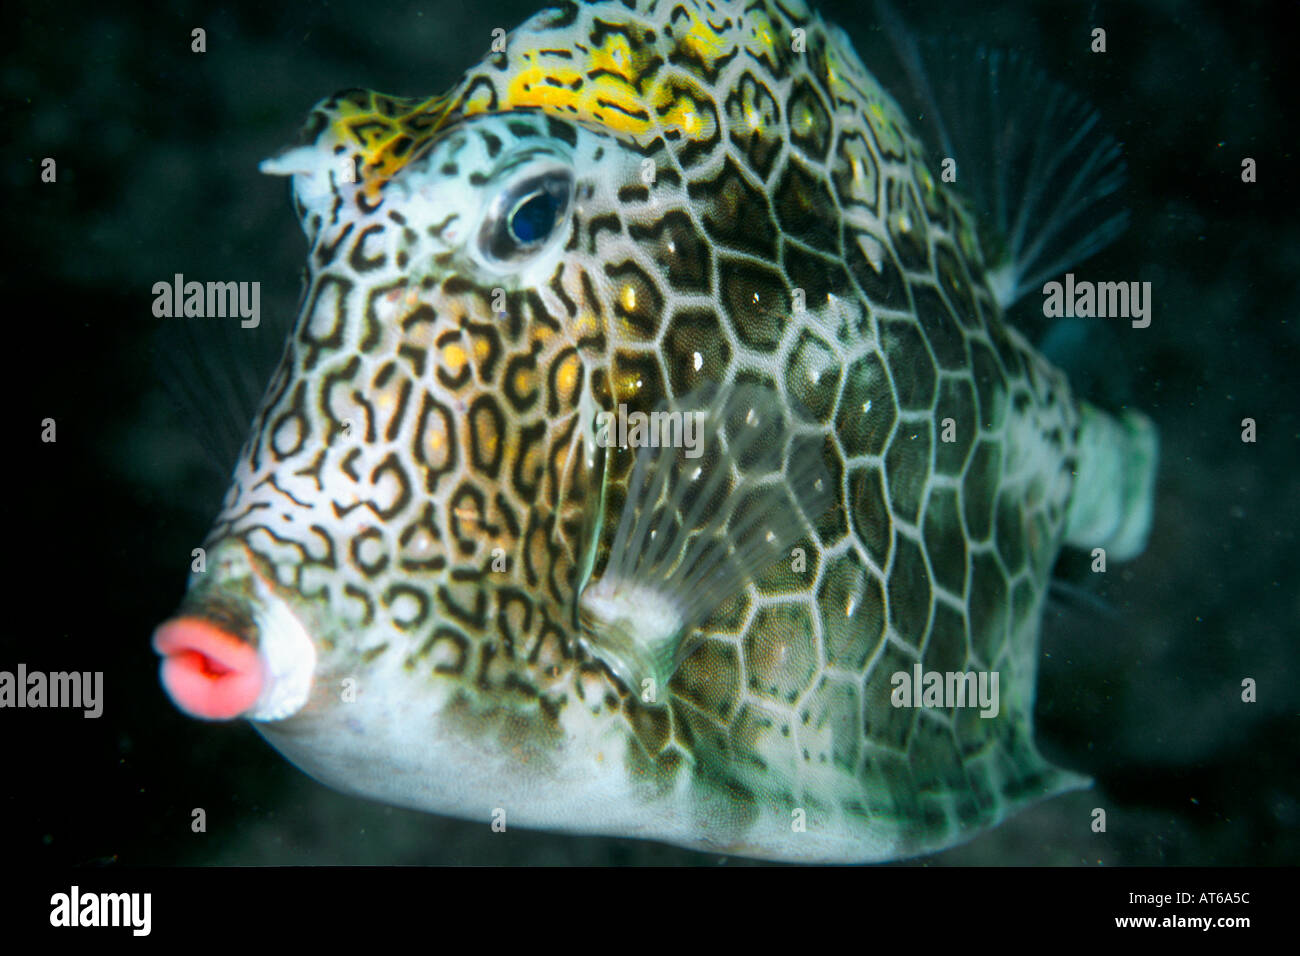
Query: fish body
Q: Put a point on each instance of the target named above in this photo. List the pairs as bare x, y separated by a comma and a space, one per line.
436, 582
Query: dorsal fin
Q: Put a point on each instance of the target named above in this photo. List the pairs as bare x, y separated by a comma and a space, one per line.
1040, 173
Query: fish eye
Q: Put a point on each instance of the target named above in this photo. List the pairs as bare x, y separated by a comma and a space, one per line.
526, 213
534, 218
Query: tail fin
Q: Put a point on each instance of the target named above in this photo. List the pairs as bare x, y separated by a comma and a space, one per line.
1114, 485
1042, 176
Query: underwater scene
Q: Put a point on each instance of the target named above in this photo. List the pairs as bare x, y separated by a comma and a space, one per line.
653, 432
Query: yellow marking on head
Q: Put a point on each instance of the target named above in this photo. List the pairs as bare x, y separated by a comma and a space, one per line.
618, 95
566, 376
585, 325
567, 88
541, 336
678, 111
382, 133
629, 297
455, 357
525, 381
385, 132
606, 100
615, 57
702, 40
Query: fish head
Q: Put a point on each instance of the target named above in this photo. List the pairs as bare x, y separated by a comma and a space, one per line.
422, 432
422, 482
391, 586
485, 269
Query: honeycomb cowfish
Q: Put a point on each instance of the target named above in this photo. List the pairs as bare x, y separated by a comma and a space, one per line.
650, 457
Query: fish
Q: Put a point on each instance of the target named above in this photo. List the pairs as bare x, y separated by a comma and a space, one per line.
651, 457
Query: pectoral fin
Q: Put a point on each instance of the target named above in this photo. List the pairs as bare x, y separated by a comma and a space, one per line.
700, 521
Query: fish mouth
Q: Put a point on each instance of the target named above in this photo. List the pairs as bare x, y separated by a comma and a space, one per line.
236, 649
207, 671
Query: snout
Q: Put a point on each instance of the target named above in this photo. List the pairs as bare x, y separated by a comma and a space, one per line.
237, 648
207, 671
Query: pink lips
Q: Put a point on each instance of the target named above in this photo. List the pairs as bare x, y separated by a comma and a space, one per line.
209, 672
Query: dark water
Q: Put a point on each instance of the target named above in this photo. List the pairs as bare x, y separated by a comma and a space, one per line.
157, 151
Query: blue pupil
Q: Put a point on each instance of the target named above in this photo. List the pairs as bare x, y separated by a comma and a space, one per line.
534, 218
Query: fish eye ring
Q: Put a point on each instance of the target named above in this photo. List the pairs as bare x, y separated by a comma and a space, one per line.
526, 213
